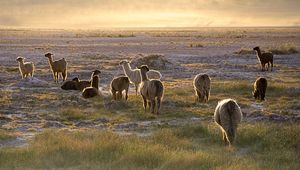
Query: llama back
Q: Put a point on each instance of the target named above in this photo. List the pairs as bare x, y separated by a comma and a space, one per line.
202, 82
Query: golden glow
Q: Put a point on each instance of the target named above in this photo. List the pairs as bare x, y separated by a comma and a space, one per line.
147, 13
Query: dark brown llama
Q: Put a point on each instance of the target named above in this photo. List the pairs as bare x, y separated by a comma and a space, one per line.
264, 58
260, 87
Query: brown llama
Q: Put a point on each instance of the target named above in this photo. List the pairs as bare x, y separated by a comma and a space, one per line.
150, 90
264, 58
260, 87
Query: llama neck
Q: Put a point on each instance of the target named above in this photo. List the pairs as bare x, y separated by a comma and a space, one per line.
21, 63
258, 53
50, 59
127, 68
95, 83
144, 76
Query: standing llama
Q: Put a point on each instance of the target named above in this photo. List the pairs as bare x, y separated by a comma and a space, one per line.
264, 58
134, 74
26, 68
58, 66
151, 90
260, 87
228, 115
118, 85
202, 87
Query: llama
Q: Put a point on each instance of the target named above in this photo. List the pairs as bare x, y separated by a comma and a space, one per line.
260, 87
70, 85
59, 66
202, 87
227, 116
150, 90
118, 85
26, 68
134, 75
92, 91
264, 58
81, 84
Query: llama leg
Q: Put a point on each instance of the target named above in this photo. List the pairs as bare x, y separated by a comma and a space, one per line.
57, 76
64, 75
198, 96
224, 137
262, 95
158, 105
126, 94
120, 95
145, 102
268, 66
207, 96
114, 94
149, 104
136, 89
262, 67
53, 73
271, 65
152, 106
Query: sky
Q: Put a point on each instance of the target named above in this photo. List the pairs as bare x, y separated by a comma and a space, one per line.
89, 14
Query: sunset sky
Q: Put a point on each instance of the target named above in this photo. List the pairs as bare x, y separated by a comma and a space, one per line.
147, 13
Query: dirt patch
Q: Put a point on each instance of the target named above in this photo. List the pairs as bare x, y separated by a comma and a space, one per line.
272, 117
154, 61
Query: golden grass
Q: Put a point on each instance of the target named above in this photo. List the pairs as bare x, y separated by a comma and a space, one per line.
258, 146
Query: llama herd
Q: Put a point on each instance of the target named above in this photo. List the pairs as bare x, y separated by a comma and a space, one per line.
147, 83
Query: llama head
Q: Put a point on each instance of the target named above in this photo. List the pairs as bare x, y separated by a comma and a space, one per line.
48, 55
144, 68
20, 59
96, 72
255, 94
124, 62
76, 79
256, 48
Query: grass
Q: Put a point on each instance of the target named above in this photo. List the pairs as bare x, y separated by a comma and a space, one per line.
196, 45
6, 135
189, 147
244, 51
284, 50
178, 102
281, 50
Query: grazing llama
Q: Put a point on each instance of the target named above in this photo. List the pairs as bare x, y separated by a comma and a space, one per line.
227, 116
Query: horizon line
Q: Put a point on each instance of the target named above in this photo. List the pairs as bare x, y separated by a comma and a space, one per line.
142, 28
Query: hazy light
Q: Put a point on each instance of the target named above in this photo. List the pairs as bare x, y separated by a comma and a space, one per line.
148, 13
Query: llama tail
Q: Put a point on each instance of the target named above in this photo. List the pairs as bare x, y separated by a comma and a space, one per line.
231, 110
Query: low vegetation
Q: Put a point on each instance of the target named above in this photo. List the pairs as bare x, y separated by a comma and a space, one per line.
281, 50
189, 147
284, 50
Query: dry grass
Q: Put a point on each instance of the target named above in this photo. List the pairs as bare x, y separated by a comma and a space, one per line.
244, 51
284, 50
190, 147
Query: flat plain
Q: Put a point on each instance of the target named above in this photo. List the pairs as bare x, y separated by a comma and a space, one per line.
45, 127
